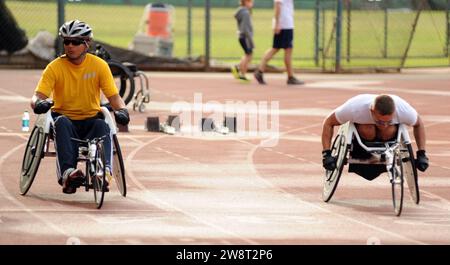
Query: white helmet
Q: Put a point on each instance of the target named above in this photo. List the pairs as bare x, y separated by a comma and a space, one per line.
76, 29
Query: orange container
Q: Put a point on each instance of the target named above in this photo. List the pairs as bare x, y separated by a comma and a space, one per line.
158, 22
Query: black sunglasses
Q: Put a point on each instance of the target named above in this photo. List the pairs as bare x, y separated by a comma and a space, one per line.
75, 42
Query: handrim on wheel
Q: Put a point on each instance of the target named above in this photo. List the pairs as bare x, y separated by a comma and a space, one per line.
410, 173
125, 78
32, 158
331, 178
119, 168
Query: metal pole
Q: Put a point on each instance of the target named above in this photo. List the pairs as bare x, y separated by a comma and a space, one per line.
316, 32
413, 30
349, 27
448, 27
189, 28
61, 17
385, 30
338, 36
207, 32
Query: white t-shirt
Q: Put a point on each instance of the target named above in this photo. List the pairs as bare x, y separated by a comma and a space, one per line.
357, 110
286, 20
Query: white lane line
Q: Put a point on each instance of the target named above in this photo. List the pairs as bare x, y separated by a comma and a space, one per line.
369, 85
250, 163
154, 199
30, 211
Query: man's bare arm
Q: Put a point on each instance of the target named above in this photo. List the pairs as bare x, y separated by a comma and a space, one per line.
116, 102
277, 8
36, 96
419, 134
327, 130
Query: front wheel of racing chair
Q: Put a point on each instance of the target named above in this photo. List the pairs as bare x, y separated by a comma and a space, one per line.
339, 151
396, 178
98, 174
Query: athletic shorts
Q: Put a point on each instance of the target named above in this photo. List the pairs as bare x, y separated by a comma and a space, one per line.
284, 39
246, 45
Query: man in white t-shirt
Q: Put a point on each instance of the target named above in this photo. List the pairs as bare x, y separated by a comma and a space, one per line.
376, 118
283, 28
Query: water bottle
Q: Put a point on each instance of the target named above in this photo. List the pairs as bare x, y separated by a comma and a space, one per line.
25, 121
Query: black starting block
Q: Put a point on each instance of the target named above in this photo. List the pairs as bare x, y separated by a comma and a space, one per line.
174, 121
152, 124
230, 123
208, 125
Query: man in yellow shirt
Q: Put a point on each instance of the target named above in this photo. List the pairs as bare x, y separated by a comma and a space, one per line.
74, 80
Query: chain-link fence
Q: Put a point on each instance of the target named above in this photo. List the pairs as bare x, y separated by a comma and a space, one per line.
329, 34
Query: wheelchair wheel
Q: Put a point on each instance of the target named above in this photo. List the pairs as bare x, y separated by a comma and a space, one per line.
331, 178
396, 179
410, 171
98, 177
34, 152
124, 79
119, 168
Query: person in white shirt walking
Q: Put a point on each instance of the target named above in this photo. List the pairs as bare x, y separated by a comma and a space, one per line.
283, 28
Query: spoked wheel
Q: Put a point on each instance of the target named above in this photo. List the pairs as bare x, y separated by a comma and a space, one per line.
331, 178
119, 168
410, 173
396, 178
34, 152
124, 79
99, 177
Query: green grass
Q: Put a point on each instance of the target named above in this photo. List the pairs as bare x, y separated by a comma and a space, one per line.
117, 25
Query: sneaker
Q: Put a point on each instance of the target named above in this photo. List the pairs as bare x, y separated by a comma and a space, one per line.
72, 179
243, 79
235, 71
108, 179
259, 77
294, 81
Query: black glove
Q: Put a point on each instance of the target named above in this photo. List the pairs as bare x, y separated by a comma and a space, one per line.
421, 160
122, 116
42, 106
328, 161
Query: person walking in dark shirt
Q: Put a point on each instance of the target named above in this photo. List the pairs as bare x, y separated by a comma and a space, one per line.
245, 33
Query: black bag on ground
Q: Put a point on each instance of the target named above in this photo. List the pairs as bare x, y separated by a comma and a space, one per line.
12, 37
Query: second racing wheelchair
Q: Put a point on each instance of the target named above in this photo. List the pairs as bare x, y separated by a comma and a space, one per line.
394, 157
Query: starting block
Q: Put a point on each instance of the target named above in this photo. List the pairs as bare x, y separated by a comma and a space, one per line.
207, 125
230, 123
153, 125
174, 121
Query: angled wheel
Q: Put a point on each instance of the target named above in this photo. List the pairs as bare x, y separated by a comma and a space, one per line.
331, 178
34, 152
98, 177
396, 178
119, 168
124, 79
410, 173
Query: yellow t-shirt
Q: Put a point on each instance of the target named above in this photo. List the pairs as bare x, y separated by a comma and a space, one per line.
76, 88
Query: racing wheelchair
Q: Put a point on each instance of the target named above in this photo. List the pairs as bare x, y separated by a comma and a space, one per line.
89, 151
125, 76
395, 157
